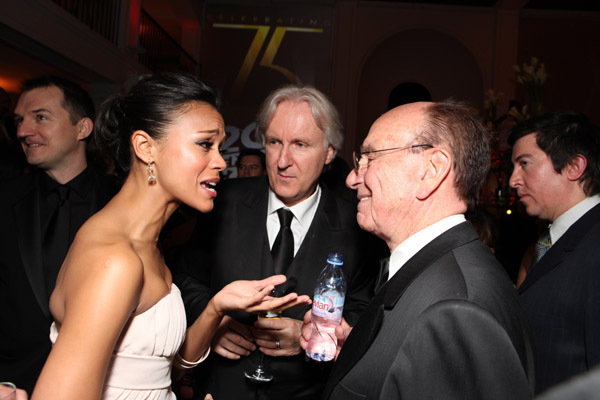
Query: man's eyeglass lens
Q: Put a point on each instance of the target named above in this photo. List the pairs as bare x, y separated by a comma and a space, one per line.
357, 155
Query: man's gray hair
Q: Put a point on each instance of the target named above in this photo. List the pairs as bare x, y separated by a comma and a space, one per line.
324, 112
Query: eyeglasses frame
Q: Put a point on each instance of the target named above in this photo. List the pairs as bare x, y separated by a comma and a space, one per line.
357, 155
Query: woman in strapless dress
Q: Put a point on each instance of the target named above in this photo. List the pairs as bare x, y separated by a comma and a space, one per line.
120, 323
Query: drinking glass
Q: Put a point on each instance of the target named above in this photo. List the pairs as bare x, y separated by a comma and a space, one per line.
259, 374
8, 391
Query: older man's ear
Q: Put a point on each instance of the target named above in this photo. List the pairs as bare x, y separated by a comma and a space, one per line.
437, 167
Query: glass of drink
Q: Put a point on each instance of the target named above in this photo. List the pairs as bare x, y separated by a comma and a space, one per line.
259, 374
8, 391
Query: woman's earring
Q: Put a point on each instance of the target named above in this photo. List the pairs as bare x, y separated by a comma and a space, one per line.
151, 176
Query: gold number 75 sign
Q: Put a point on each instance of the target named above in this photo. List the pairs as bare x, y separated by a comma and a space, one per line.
270, 52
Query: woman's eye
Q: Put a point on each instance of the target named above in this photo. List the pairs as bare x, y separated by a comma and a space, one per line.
205, 145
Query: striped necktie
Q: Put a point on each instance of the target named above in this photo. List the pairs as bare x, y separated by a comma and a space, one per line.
541, 246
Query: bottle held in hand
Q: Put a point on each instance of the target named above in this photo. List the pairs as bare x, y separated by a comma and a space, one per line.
328, 305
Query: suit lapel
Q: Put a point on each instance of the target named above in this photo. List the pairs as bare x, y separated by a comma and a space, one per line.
358, 342
252, 222
446, 242
321, 233
561, 249
29, 235
367, 328
553, 257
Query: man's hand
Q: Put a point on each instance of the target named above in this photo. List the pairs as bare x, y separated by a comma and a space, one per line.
341, 332
233, 339
268, 333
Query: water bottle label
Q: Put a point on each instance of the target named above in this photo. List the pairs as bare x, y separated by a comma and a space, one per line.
328, 305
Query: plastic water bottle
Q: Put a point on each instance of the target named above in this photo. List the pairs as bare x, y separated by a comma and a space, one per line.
327, 308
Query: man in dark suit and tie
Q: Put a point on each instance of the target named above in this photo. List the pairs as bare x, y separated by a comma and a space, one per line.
40, 212
254, 220
556, 173
447, 324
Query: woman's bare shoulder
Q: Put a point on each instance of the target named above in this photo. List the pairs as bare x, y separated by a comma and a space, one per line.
101, 230
103, 247
102, 260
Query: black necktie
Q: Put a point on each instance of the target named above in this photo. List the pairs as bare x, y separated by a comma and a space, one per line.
56, 239
283, 248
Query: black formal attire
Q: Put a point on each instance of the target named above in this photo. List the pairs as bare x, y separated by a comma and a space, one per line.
231, 244
447, 325
27, 276
561, 297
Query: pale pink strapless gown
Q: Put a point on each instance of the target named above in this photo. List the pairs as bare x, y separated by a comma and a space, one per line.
141, 364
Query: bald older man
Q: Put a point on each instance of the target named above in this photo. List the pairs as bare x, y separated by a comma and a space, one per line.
448, 323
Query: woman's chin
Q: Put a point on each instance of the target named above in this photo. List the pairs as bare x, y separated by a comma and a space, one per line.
205, 207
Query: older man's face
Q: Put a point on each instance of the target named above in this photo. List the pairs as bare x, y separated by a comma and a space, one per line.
386, 182
295, 152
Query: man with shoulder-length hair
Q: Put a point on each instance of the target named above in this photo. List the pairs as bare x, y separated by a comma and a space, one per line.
40, 213
447, 324
283, 223
556, 173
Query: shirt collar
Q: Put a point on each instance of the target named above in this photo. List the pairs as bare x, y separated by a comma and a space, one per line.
303, 211
81, 184
47, 184
411, 246
569, 217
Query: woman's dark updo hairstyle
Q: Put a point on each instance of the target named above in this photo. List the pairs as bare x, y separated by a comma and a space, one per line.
150, 105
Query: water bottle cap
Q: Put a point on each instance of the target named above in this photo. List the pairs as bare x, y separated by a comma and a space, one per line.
335, 259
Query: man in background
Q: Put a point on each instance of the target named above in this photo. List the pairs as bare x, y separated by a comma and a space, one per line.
251, 162
40, 212
556, 173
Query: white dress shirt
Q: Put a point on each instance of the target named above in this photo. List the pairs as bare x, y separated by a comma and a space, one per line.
304, 213
411, 246
569, 217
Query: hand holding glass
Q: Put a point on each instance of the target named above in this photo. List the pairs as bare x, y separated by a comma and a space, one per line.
259, 374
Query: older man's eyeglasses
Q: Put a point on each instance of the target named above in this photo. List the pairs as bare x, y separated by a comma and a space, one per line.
358, 155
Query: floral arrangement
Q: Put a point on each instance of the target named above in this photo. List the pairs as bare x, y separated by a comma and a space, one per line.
532, 76
490, 105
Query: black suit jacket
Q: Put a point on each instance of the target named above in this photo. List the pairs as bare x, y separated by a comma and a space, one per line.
26, 318
561, 297
447, 325
231, 244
